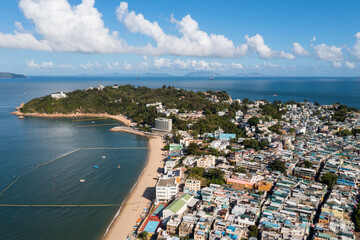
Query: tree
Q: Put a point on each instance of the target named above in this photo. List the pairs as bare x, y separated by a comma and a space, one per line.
177, 138
253, 121
253, 231
195, 172
307, 164
292, 130
278, 165
143, 235
329, 179
344, 133
355, 131
340, 113
216, 176
193, 149
275, 128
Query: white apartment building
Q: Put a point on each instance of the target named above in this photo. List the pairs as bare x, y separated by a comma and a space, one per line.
163, 124
166, 189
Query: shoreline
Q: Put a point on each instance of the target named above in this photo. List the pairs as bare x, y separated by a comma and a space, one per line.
133, 205
142, 191
119, 118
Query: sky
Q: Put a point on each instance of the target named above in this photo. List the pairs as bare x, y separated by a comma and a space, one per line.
277, 38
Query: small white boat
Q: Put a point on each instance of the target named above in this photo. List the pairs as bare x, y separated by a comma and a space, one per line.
82, 180
118, 166
103, 157
92, 122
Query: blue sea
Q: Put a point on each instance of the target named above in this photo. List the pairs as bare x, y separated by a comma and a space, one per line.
48, 157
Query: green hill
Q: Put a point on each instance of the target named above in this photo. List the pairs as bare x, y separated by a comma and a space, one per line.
126, 99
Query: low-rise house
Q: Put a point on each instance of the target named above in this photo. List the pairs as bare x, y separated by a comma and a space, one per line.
192, 185
179, 206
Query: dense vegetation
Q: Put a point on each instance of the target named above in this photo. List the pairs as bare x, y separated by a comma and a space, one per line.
357, 217
341, 112
273, 110
126, 99
329, 179
278, 165
214, 175
255, 144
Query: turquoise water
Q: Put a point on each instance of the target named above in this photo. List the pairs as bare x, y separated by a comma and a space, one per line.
26, 144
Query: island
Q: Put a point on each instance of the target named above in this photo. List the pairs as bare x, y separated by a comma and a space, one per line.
230, 169
6, 75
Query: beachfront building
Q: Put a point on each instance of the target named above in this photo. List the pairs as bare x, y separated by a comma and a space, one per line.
58, 95
179, 206
163, 124
166, 189
192, 185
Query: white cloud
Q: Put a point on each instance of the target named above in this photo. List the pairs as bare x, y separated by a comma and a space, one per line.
350, 65
64, 28
192, 41
90, 65
356, 48
271, 65
336, 64
257, 44
46, 65
299, 50
19, 26
328, 53
33, 65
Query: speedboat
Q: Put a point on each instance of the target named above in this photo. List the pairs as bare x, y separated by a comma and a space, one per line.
82, 180
118, 166
96, 167
103, 157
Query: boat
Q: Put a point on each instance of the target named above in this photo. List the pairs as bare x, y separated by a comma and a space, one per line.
103, 157
82, 180
137, 77
211, 78
92, 122
275, 95
118, 166
96, 167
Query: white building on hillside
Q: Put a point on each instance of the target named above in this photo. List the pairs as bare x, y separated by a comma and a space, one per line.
58, 95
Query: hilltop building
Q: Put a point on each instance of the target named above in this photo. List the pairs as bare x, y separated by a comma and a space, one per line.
58, 95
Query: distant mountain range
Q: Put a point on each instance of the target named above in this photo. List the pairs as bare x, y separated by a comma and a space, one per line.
11, 75
116, 74
252, 74
215, 74
202, 73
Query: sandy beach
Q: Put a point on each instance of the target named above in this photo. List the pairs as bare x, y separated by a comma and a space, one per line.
120, 118
141, 194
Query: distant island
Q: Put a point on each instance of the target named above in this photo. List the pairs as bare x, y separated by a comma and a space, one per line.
5, 75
